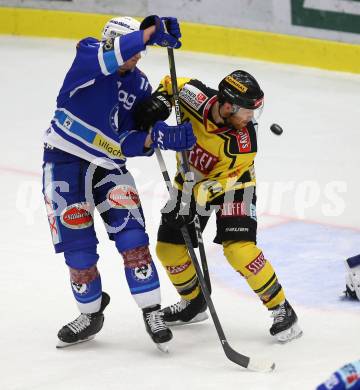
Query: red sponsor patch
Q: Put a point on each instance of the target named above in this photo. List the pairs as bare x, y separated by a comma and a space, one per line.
233, 209
123, 197
200, 97
77, 216
257, 264
202, 160
176, 269
243, 140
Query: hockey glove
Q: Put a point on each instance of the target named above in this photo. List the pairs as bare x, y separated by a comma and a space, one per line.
176, 138
148, 111
167, 31
179, 214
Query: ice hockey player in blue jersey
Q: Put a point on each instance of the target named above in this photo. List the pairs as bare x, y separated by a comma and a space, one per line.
90, 136
346, 378
352, 265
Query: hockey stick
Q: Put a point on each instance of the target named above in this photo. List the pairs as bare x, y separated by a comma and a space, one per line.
236, 357
231, 354
189, 175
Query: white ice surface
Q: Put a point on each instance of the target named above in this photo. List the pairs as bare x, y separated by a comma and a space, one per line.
307, 233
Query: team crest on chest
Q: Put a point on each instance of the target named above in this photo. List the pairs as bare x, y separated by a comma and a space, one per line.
114, 118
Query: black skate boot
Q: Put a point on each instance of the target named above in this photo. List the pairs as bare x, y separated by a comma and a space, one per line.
84, 327
155, 326
186, 312
285, 327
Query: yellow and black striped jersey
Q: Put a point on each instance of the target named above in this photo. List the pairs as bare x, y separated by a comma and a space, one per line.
222, 158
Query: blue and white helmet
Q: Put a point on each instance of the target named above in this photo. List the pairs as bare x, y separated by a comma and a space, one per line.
120, 26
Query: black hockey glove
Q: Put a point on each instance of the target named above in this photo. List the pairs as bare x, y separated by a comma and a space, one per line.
148, 111
173, 216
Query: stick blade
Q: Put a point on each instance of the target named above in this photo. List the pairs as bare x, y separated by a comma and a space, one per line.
261, 365
257, 365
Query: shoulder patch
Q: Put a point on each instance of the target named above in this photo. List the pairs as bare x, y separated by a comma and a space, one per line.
193, 96
108, 45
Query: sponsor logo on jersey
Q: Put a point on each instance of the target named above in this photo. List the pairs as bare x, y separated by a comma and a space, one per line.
68, 122
123, 196
193, 96
243, 140
236, 229
200, 97
176, 269
237, 209
239, 86
233, 209
127, 99
202, 160
77, 216
79, 288
110, 148
257, 264
143, 273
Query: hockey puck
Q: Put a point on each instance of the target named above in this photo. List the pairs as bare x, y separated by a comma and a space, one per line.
276, 129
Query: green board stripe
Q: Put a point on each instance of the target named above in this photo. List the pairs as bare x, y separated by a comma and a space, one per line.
327, 20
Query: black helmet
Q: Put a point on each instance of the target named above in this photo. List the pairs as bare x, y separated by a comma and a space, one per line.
241, 89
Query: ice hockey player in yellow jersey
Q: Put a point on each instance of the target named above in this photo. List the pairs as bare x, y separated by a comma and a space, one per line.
225, 125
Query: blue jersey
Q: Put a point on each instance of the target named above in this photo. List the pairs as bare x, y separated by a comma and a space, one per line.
94, 119
346, 378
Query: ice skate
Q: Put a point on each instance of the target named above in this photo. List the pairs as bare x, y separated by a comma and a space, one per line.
186, 312
156, 327
83, 328
285, 327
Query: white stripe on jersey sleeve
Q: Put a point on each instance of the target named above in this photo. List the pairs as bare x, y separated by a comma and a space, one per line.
118, 55
101, 60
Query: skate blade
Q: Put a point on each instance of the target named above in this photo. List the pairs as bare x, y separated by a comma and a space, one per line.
290, 334
198, 318
63, 344
163, 347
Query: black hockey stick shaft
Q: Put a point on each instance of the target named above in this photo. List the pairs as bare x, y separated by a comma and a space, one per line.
231, 354
234, 356
189, 176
